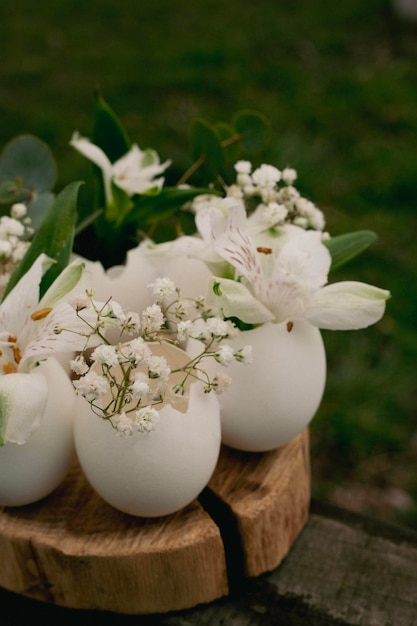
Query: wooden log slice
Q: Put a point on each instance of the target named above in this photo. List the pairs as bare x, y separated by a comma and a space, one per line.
268, 497
74, 550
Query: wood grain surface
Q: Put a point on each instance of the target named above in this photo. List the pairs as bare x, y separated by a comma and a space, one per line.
74, 550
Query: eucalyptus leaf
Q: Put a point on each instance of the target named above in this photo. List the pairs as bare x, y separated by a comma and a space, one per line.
54, 238
29, 160
345, 247
254, 128
10, 192
229, 141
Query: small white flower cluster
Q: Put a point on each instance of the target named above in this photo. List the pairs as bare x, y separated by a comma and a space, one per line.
125, 381
278, 201
14, 233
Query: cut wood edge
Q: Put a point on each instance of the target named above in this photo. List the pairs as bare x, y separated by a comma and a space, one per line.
267, 496
74, 550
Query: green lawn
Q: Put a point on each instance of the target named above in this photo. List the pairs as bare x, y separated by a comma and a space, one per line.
339, 83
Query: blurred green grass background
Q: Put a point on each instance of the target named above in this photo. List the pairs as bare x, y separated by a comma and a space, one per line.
339, 83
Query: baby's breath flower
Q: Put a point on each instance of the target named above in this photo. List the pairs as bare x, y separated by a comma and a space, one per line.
146, 419
106, 355
133, 377
243, 167
131, 323
18, 210
19, 251
158, 367
273, 213
11, 227
163, 289
220, 382
92, 386
5, 248
244, 355
184, 329
138, 351
224, 355
123, 424
218, 327
152, 319
79, 365
266, 176
182, 309
140, 387
114, 310
214, 328
289, 175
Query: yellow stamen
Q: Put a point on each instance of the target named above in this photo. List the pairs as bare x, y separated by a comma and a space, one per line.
9, 368
12, 339
17, 354
40, 314
290, 326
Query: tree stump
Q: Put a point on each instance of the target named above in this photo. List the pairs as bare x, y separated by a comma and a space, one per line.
72, 549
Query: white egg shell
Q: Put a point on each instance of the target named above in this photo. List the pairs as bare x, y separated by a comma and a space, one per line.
157, 473
190, 275
275, 397
127, 284
32, 470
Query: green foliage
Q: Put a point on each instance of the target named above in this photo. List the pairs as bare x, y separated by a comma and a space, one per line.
344, 248
111, 229
28, 173
54, 237
216, 147
254, 130
108, 132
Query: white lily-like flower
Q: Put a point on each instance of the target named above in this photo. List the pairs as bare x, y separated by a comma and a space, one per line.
134, 172
288, 282
25, 326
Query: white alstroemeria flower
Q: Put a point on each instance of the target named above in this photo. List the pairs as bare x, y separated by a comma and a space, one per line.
23, 390
288, 282
134, 172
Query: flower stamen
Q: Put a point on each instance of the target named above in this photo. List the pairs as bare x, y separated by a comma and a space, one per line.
40, 314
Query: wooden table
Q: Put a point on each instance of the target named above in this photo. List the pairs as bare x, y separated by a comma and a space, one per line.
342, 570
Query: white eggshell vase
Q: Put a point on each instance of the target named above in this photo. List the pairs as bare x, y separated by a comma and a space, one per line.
32, 470
157, 473
274, 398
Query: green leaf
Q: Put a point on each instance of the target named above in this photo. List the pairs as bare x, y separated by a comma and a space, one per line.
108, 132
11, 191
206, 147
38, 208
345, 247
151, 209
254, 128
30, 160
54, 237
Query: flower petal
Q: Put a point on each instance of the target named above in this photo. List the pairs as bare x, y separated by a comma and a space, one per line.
98, 157
306, 257
236, 301
63, 331
18, 305
22, 403
64, 285
347, 305
134, 172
